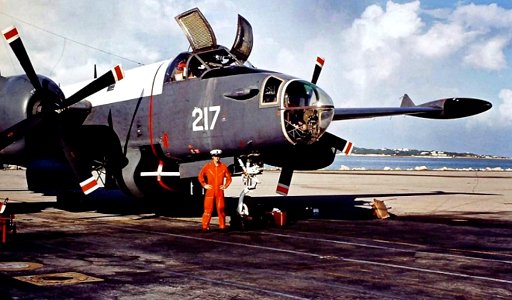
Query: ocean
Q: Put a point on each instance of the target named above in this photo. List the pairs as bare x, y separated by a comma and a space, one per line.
366, 162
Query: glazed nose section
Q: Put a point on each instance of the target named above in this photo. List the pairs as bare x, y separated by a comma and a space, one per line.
307, 112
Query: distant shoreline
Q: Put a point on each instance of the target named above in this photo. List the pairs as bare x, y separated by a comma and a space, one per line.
419, 163
429, 156
405, 152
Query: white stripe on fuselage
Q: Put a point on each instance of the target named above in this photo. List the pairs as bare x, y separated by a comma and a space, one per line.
136, 83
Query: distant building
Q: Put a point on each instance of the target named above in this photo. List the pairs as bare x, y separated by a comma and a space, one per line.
438, 154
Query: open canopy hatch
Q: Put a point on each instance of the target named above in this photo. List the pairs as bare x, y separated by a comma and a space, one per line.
201, 36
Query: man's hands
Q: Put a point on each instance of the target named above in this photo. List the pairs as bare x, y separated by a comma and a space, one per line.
209, 187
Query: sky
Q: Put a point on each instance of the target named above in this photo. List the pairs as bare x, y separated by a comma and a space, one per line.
375, 52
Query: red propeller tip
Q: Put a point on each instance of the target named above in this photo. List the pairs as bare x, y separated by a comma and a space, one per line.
348, 148
88, 186
10, 34
282, 189
320, 61
118, 73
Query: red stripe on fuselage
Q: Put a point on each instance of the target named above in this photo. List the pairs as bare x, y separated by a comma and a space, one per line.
153, 149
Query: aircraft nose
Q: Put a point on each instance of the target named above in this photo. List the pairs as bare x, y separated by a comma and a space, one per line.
307, 112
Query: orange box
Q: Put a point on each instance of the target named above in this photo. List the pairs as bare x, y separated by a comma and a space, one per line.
279, 218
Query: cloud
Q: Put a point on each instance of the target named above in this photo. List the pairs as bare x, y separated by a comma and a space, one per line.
491, 25
396, 21
394, 46
442, 40
482, 17
489, 54
505, 108
375, 45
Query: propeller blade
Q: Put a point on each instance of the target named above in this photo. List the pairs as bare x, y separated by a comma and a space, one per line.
12, 37
82, 172
88, 183
96, 85
284, 181
318, 68
337, 143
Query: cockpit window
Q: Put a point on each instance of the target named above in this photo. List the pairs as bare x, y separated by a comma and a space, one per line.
196, 67
270, 90
218, 58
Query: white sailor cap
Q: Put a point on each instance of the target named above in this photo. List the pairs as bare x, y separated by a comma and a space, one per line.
216, 152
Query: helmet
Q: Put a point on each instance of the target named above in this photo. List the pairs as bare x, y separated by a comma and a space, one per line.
216, 152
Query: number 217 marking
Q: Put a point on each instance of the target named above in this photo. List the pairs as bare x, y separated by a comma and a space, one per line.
202, 118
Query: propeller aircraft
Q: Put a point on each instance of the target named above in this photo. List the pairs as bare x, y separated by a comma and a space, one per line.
152, 131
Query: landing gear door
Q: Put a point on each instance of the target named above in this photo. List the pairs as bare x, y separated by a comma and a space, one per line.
197, 29
242, 46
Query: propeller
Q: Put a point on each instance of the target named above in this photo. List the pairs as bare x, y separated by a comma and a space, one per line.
336, 142
54, 108
327, 138
318, 68
285, 177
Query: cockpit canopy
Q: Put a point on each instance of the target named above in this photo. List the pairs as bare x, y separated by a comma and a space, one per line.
188, 65
201, 36
206, 54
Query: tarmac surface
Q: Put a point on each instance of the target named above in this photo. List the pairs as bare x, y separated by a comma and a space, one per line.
449, 237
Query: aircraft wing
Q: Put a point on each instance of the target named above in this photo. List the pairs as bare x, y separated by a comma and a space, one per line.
449, 108
372, 112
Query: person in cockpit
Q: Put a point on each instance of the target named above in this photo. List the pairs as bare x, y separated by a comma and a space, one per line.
179, 74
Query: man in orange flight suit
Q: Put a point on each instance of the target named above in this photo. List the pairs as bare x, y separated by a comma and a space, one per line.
215, 172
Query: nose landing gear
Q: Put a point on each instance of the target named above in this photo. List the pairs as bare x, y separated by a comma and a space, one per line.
250, 180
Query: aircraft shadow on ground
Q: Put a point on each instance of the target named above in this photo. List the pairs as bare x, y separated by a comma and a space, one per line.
347, 206
340, 207
27, 207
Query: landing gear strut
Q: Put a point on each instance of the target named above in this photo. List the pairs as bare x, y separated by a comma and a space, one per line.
250, 180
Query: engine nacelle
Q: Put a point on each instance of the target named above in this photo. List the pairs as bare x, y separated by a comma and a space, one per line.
19, 100
15, 93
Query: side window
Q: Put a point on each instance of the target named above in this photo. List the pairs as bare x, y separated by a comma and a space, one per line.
270, 90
